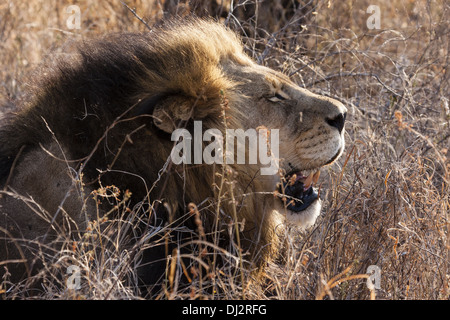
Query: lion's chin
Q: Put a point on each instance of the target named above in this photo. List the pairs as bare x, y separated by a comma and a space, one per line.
305, 218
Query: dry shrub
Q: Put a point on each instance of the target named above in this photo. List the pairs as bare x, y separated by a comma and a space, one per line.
386, 200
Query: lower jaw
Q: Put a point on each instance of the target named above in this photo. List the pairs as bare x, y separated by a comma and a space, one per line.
299, 198
305, 218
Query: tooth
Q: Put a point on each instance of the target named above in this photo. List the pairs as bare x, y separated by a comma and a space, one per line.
308, 181
316, 177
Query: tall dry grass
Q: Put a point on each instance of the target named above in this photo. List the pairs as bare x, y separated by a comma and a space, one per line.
386, 201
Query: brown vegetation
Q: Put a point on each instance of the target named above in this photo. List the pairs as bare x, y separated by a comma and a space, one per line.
387, 199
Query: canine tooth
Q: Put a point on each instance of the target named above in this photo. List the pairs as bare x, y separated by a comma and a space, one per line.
316, 177
308, 181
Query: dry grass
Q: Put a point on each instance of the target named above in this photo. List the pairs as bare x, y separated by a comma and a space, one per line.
386, 200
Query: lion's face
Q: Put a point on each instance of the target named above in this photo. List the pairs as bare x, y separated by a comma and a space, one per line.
311, 132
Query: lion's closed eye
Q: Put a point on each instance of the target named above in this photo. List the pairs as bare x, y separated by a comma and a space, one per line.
277, 97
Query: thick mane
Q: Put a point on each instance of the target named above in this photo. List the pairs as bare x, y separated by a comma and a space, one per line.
86, 92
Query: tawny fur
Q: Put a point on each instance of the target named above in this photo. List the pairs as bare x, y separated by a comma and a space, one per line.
110, 108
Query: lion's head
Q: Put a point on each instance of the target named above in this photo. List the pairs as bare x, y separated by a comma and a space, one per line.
311, 132
109, 112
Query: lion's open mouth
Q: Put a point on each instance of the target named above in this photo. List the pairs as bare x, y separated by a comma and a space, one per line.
298, 187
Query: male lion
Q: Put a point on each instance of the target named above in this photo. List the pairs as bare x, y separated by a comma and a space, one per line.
104, 117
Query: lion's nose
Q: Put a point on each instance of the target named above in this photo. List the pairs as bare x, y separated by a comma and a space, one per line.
338, 121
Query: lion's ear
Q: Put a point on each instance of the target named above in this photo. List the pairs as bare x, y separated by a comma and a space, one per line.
165, 119
162, 120
167, 110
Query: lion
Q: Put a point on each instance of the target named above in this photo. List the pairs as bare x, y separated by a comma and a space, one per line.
105, 116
